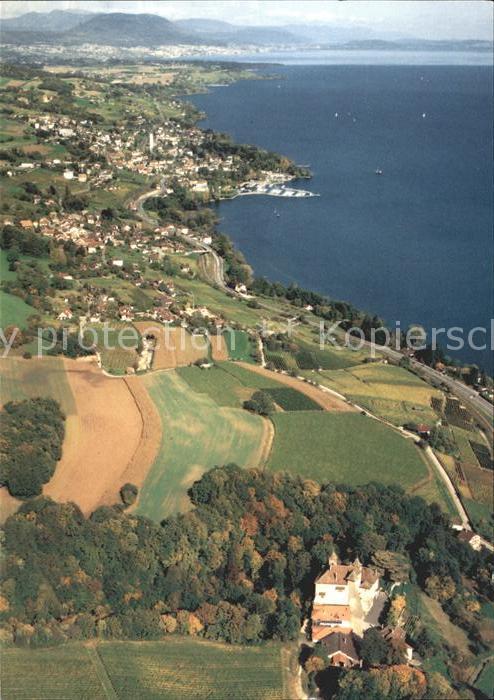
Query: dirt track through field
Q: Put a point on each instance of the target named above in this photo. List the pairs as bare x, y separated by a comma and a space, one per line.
326, 401
149, 442
266, 442
102, 439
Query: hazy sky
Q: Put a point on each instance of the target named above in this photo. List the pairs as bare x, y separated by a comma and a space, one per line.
432, 19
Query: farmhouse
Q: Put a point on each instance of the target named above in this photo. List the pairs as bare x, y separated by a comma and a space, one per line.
65, 315
343, 592
341, 649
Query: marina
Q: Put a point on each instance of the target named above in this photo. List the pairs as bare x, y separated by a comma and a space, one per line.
273, 190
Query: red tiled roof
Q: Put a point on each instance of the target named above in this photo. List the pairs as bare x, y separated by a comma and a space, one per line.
330, 613
340, 574
336, 574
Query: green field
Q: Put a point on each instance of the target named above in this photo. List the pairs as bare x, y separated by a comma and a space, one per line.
292, 400
485, 682
219, 385
197, 435
311, 356
229, 384
59, 673
343, 447
239, 345
121, 340
248, 378
13, 310
174, 669
281, 360
389, 392
22, 379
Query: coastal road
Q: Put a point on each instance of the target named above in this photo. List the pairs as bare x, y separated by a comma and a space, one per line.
216, 272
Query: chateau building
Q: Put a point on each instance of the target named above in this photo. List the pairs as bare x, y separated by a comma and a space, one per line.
344, 592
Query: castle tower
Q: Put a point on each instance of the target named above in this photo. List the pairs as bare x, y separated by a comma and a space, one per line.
333, 559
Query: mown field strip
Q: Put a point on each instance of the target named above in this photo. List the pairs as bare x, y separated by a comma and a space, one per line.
197, 436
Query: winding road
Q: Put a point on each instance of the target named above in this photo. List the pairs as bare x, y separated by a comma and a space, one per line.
216, 272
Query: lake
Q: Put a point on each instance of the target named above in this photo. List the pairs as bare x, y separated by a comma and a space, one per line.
413, 244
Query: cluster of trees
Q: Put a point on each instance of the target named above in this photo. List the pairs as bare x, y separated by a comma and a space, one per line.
238, 567
31, 282
260, 402
32, 436
128, 494
73, 202
398, 682
322, 306
442, 440
237, 269
182, 207
18, 240
253, 159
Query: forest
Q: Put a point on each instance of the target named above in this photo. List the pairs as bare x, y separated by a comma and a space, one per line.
239, 567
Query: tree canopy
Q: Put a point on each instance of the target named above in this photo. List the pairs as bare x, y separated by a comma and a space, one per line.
238, 567
32, 434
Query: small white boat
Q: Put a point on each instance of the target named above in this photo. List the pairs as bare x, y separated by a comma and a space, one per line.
378, 171
424, 115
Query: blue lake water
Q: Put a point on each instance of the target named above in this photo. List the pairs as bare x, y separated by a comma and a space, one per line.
412, 245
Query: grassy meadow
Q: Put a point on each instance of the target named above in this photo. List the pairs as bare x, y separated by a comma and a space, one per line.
343, 447
485, 682
239, 345
13, 310
197, 436
23, 379
390, 392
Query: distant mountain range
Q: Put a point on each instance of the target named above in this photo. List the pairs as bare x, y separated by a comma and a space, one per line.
54, 21
123, 29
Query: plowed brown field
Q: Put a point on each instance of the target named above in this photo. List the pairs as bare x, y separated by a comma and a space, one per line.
102, 438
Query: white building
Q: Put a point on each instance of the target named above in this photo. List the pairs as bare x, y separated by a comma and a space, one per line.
343, 592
